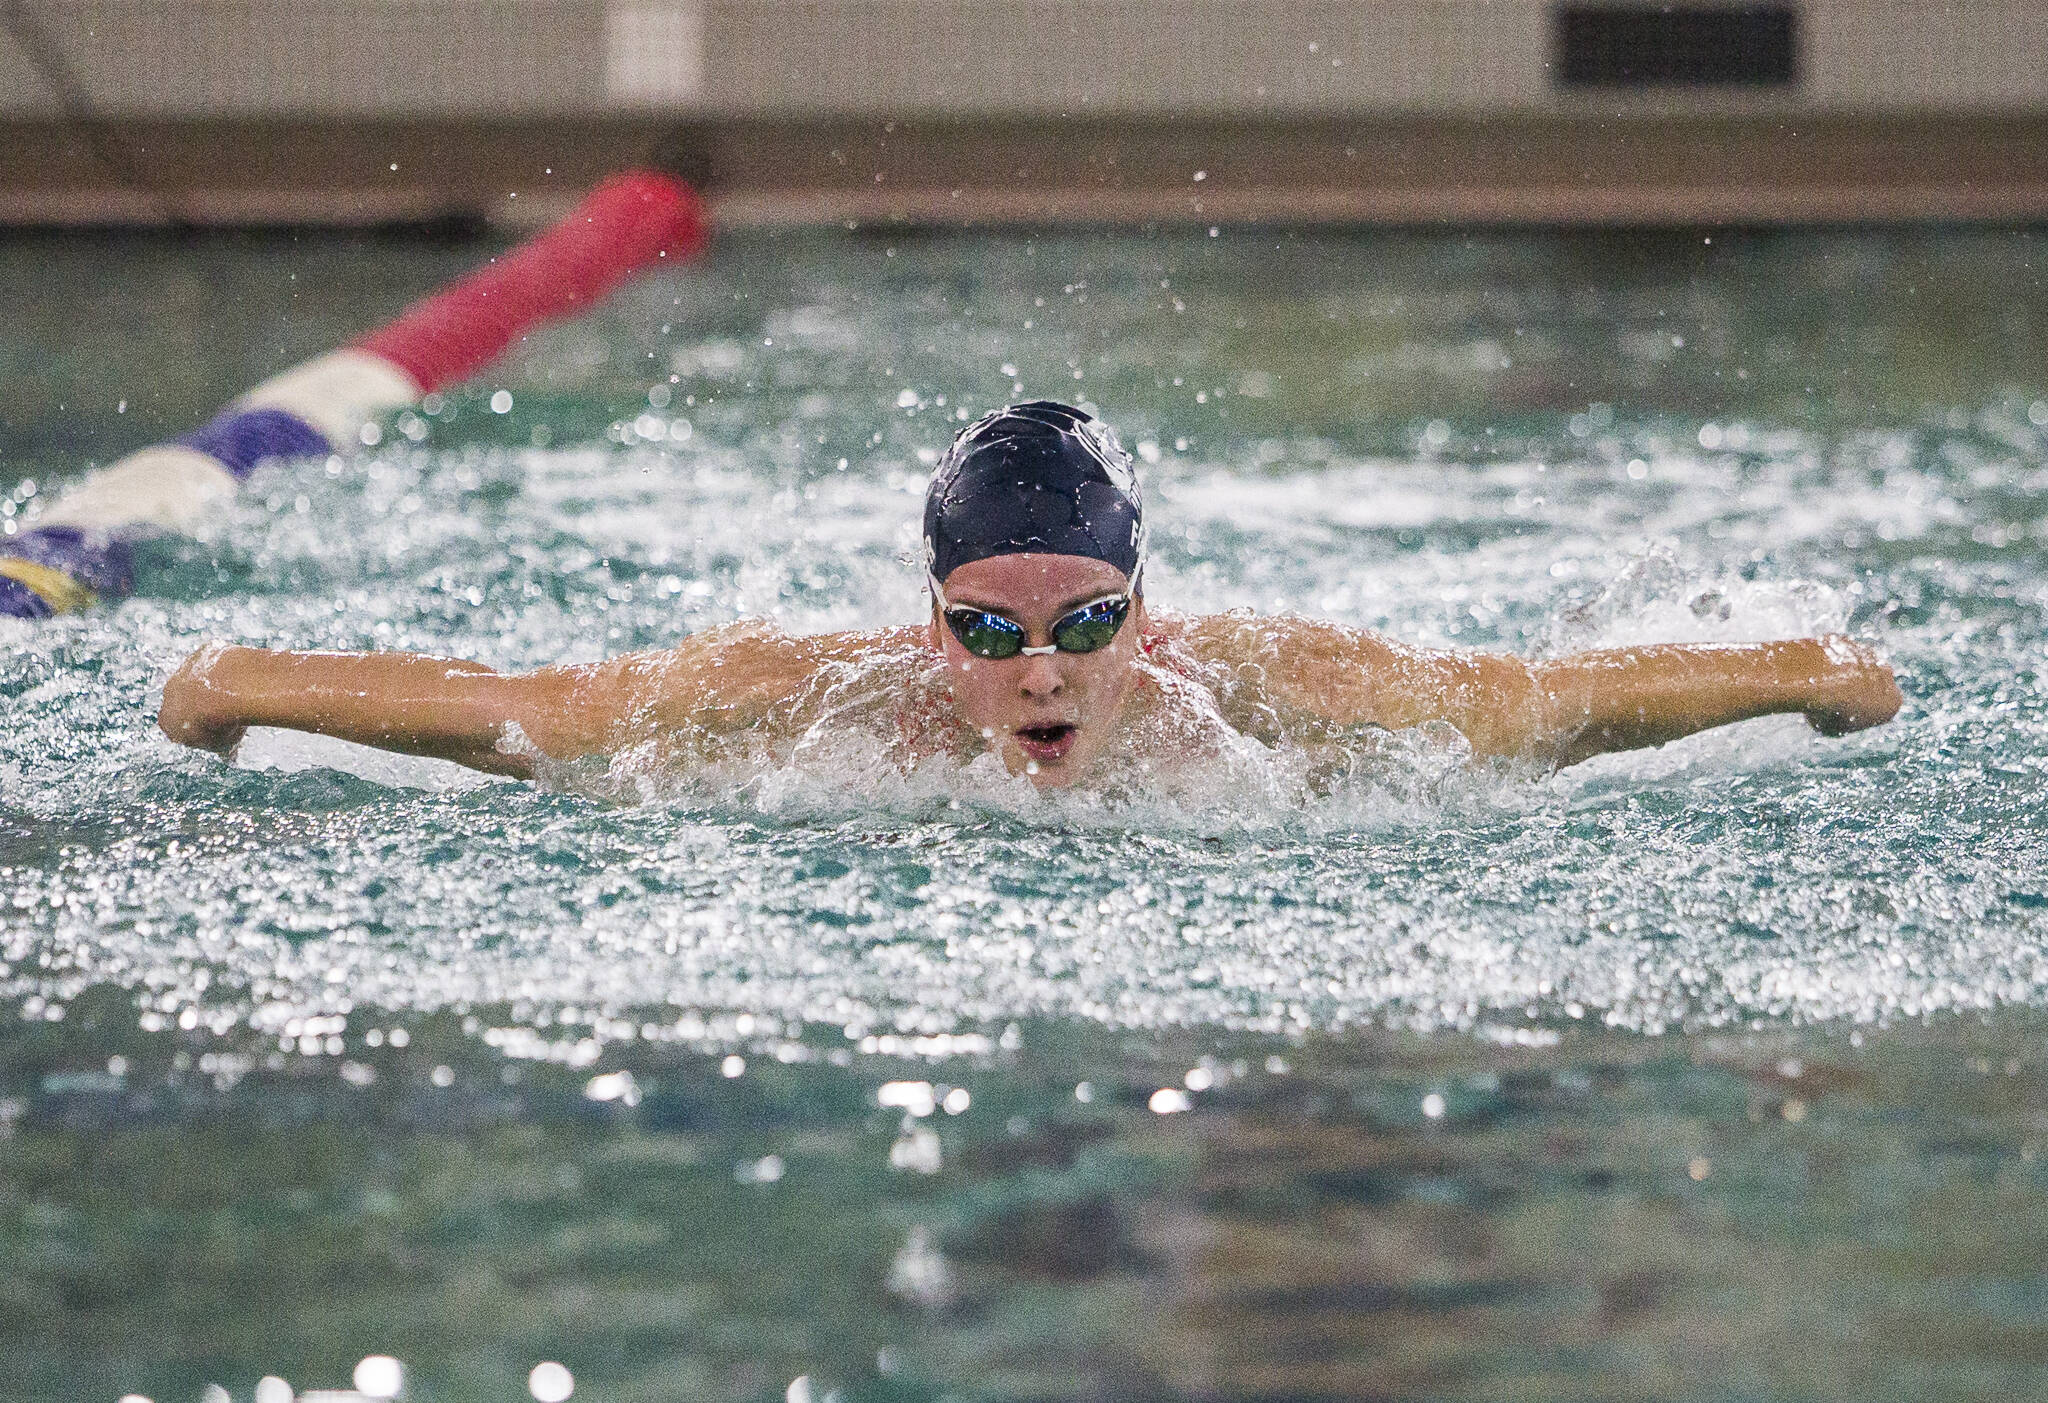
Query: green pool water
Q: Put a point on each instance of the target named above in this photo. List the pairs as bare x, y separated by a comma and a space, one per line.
1715, 1072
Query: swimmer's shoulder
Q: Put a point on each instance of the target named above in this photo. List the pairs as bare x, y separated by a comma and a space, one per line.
1240, 637
1293, 666
764, 639
738, 674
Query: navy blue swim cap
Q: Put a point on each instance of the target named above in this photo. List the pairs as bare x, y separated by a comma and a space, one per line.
1037, 477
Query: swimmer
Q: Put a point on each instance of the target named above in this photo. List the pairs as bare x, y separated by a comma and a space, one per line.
1041, 648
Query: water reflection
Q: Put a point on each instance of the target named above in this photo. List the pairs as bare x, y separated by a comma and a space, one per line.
1376, 1215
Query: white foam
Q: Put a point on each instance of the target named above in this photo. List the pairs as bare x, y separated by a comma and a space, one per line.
289, 752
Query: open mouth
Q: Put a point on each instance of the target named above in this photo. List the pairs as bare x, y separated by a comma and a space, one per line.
1048, 742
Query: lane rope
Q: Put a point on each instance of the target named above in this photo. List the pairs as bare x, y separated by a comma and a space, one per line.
51, 590
78, 550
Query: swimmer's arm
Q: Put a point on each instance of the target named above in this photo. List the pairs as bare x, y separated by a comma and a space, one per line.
462, 711
441, 707
1307, 670
1567, 710
1627, 698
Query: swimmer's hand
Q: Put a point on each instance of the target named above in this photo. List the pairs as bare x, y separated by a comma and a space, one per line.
1856, 692
195, 712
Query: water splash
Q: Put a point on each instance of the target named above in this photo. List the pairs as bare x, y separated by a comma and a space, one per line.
1752, 873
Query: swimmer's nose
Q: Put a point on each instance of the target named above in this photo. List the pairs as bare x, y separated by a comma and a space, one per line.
1042, 677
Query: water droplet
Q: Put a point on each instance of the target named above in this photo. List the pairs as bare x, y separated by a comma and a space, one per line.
379, 1376
765, 1170
550, 1383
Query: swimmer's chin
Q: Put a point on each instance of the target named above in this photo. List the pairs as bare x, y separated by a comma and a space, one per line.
1050, 757
1058, 775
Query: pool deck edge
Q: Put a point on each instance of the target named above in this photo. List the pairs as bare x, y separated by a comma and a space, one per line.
1585, 170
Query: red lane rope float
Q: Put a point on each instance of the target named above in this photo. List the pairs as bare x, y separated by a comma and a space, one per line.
625, 225
77, 551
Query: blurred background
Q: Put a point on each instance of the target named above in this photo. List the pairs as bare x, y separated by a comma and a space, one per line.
1550, 111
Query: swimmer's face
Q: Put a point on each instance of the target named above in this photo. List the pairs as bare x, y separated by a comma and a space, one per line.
1051, 714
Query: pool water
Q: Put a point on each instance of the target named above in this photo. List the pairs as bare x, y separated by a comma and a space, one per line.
1712, 1072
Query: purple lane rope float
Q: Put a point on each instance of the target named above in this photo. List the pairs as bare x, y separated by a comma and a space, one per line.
80, 549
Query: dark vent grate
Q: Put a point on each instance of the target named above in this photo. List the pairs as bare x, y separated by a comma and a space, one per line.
1640, 46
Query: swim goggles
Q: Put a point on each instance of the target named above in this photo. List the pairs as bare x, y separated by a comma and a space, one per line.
1082, 629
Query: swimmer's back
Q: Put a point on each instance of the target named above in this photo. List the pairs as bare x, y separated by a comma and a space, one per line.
737, 675
1310, 672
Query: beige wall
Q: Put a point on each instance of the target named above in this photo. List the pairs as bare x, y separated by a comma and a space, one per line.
1047, 57
211, 58
959, 58
1976, 55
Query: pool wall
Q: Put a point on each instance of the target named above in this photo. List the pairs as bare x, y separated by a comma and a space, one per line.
1543, 111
